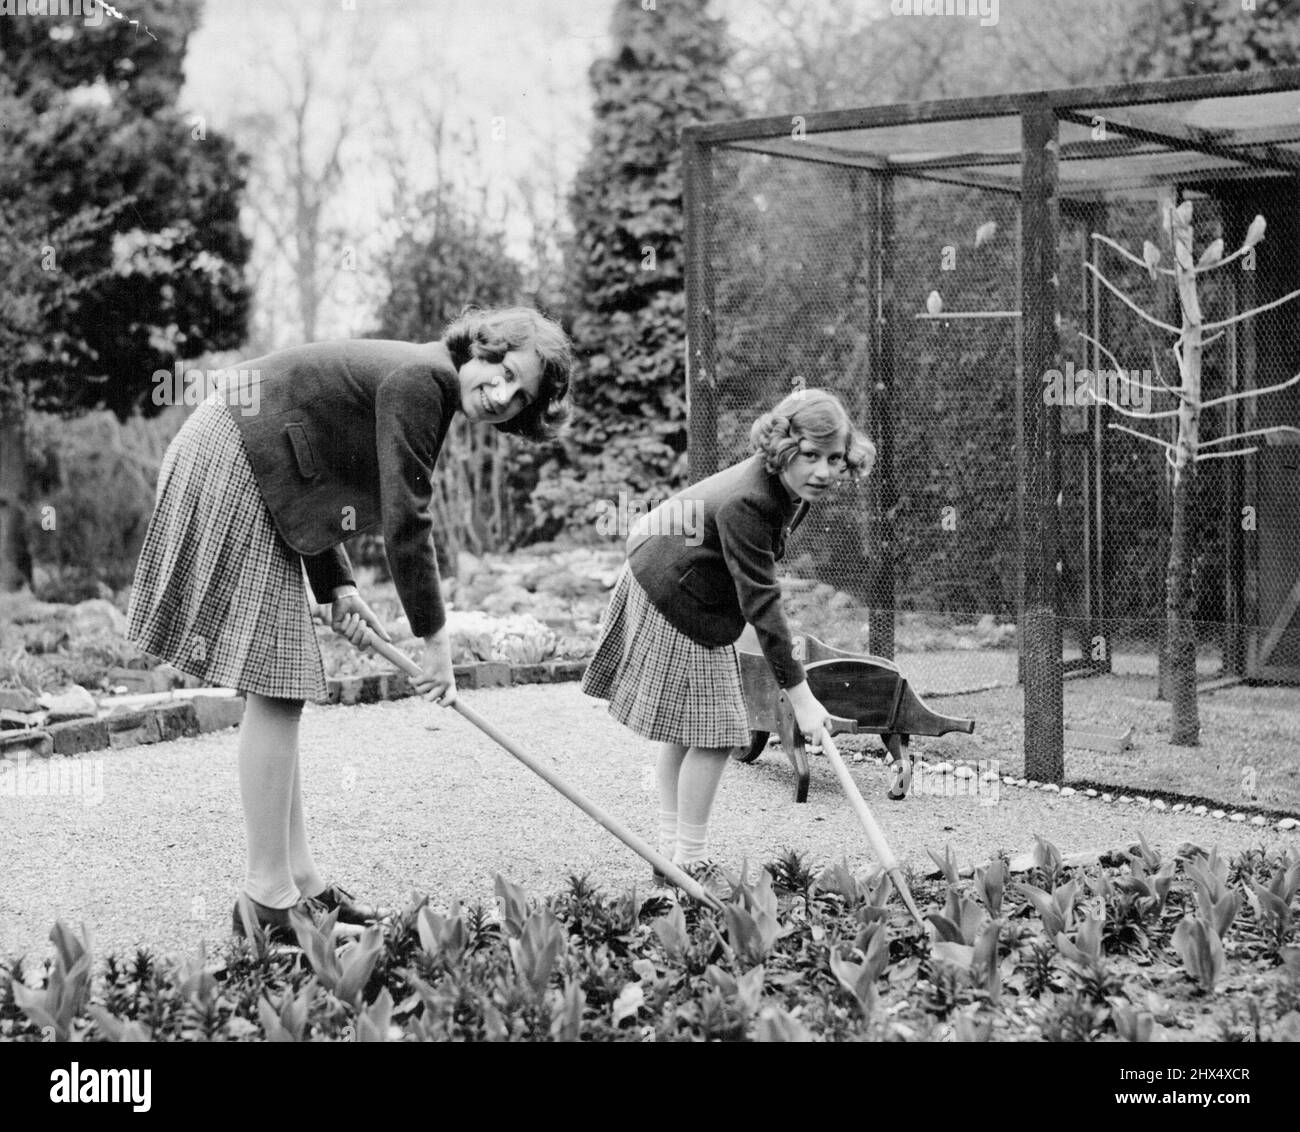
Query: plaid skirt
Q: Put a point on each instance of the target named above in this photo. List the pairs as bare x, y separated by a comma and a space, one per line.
660, 683
218, 592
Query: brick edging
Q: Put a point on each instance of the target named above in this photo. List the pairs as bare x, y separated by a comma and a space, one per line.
198, 715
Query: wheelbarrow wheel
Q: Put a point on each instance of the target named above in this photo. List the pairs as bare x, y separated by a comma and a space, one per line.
757, 741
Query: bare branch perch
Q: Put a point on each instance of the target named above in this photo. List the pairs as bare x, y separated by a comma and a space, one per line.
1250, 313
1169, 448
1225, 455
1128, 255
1251, 392
1271, 431
1130, 303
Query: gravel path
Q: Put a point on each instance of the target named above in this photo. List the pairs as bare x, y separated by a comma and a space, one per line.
404, 796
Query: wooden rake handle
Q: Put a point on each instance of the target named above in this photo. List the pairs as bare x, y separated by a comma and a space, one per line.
673, 872
883, 853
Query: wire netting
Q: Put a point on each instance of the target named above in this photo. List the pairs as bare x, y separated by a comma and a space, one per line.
902, 296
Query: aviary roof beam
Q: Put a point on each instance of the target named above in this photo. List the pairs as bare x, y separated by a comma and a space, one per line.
1179, 135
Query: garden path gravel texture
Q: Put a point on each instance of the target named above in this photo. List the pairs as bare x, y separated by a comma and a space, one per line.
404, 796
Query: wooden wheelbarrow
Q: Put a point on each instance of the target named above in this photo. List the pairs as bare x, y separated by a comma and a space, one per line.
863, 694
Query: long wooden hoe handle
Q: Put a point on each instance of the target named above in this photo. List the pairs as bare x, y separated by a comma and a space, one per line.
885, 855
674, 873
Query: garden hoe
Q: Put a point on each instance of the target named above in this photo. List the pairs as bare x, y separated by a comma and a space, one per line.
673, 872
883, 853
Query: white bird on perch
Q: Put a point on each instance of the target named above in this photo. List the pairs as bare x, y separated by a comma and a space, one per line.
1255, 232
1151, 256
934, 303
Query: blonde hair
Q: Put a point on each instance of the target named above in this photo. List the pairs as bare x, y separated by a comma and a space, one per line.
815, 415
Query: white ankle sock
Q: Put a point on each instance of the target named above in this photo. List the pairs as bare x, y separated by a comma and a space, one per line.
692, 843
668, 833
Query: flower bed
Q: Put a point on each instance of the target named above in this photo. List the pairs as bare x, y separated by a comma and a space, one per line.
1137, 949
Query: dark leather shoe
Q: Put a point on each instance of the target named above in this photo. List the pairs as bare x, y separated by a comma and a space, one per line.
334, 897
274, 921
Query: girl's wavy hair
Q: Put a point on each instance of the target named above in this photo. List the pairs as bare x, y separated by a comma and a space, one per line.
816, 415
492, 333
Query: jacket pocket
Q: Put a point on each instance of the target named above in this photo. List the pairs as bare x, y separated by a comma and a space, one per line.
303, 455
701, 587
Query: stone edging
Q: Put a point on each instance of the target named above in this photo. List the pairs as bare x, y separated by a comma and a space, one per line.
200, 714
1117, 796
488, 674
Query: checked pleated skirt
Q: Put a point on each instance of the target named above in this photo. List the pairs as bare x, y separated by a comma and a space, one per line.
661, 684
217, 591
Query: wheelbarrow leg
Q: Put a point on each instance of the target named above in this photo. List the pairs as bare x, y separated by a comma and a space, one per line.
901, 762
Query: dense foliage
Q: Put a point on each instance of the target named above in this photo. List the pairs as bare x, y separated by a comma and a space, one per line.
121, 244
1134, 949
443, 262
1170, 38
627, 260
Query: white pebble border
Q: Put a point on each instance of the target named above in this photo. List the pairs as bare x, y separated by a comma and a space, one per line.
965, 770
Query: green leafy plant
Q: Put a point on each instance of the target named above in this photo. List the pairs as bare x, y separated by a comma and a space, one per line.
859, 979
541, 944
777, 1025
1085, 949
513, 905
839, 879
343, 972
1272, 904
1055, 909
444, 938
1072, 1018
1131, 1024
753, 924
287, 1022
1217, 905
960, 920
947, 863
67, 988
1201, 950
990, 885
978, 960
1048, 863
972, 1027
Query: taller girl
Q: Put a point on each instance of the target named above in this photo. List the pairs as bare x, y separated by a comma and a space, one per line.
666, 660
345, 440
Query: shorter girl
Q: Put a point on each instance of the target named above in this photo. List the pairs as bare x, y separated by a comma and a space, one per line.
666, 659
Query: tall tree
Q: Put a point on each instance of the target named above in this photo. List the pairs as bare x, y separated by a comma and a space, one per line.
443, 261
627, 260
1171, 38
299, 131
123, 243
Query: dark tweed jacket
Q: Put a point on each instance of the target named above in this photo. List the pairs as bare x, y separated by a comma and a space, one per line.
709, 591
344, 442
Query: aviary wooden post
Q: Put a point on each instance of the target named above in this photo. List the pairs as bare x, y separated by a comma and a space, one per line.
1040, 454
701, 346
883, 486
